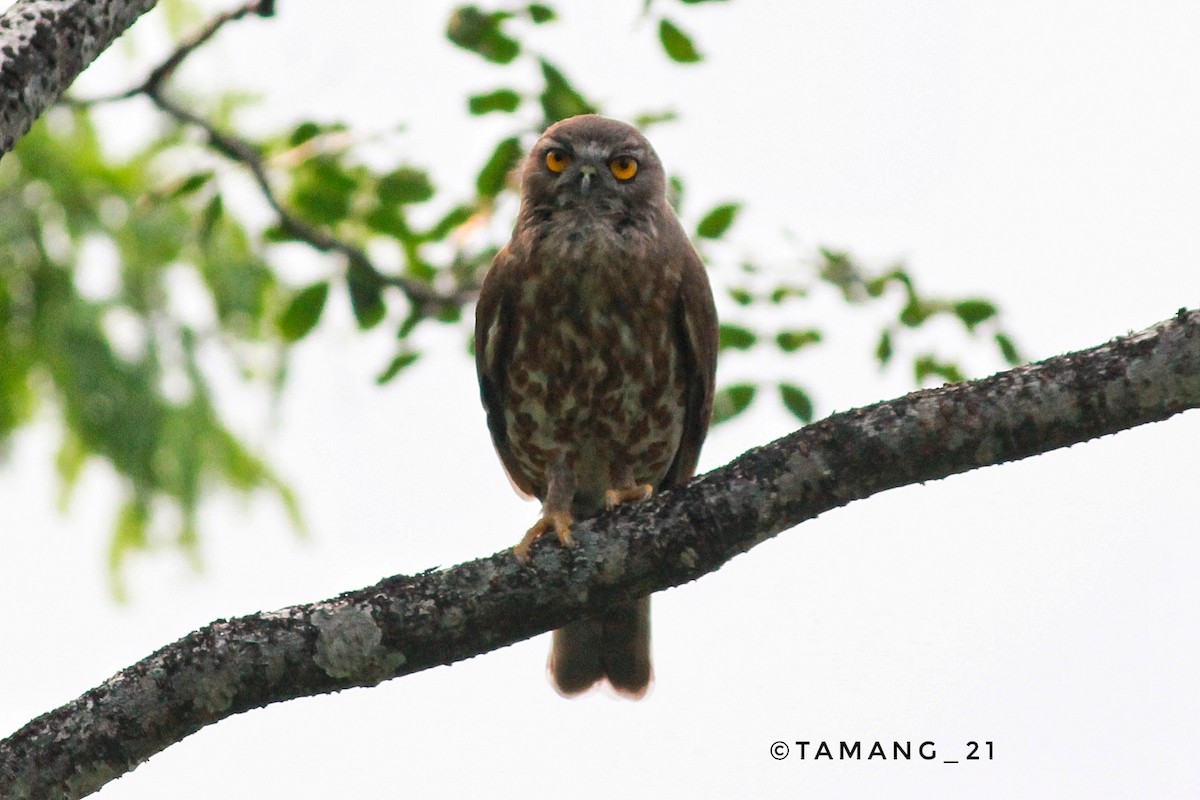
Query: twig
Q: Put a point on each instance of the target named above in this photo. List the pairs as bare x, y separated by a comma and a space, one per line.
166, 69
240, 150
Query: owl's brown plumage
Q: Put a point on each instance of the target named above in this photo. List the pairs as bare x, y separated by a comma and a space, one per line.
595, 343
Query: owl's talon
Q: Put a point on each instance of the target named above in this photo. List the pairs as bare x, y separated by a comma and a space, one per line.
557, 521
614, 497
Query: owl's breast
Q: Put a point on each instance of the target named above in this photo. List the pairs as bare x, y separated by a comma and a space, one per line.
595, 378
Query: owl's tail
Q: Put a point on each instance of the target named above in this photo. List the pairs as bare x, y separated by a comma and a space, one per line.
613, 646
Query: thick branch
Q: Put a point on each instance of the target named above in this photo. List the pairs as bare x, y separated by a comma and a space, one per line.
44, 45
407, 624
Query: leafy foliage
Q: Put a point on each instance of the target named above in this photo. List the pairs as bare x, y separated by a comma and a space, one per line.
785, 289
144, 406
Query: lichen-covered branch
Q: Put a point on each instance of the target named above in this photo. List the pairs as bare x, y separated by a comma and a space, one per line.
44, 45
407, 624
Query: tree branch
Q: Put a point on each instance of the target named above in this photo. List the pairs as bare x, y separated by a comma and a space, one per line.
360, 266
240, 150
44, 45
407, 624
160, 74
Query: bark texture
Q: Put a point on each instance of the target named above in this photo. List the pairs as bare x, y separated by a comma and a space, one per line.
44, 45
406, 624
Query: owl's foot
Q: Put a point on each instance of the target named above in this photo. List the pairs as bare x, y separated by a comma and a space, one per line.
614, 497
557, 521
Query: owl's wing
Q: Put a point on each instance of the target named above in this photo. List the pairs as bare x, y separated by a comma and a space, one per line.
695, 322
494, 339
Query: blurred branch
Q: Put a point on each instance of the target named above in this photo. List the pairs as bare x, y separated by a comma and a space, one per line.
424, 297
407, 624
244, 152
160, 74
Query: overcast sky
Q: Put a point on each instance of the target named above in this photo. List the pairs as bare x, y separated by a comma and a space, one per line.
1041, 154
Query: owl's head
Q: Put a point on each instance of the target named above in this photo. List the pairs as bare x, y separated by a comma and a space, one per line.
594, 161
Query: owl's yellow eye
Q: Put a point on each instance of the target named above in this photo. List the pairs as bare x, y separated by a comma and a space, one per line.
623, 167
557, 160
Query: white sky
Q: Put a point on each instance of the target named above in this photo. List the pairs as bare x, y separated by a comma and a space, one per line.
1042, 154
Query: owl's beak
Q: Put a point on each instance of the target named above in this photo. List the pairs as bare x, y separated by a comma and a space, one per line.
586, 173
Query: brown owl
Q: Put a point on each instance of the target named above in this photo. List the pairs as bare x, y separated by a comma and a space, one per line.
596, 344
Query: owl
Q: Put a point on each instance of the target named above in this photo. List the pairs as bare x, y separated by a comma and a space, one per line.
595, 346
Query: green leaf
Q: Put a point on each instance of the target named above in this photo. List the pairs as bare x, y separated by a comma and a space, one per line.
883, 350
303, 312
71, 458
444, 226
494, 174
717, 222
366, 300
677, 44
409, 323
236, 275
472, 29
731, 401
741, 296
643, 121
505, 100
560, 99
540, 13
973, 312
878, 285
323, 189
303, 132
781, 293
928, 366
309, 130
398, 363
839, 270
277, 234
419, 268
1008, 350
916, 311
389, 220
791, 341
190, 184
797, 401
405, 185
149, 239
129, 536
214, 209
736, 337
